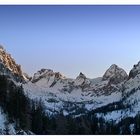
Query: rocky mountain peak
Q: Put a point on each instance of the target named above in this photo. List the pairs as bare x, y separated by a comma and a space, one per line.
115, 74
47, 74
59, 75
135, 70
8, 65
81, 75
81, 80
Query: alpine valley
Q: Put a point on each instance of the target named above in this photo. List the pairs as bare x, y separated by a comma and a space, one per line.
49, 103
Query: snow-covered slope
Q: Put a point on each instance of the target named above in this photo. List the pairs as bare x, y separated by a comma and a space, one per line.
7, 128
130, 97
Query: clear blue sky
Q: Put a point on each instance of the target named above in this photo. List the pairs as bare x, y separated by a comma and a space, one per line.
71, 39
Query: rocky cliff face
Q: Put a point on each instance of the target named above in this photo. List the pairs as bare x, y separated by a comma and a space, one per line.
115, 75
9, 67
47, 77
135, 70
81, 80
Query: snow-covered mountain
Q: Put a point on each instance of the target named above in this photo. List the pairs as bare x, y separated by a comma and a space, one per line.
116, 92
130, 98
70, 95
57, 91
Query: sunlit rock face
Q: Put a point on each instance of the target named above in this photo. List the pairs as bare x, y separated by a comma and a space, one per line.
9, 67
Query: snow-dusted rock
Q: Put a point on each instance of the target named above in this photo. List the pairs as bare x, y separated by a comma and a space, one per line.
81, 80
115, 75
135, 71
9, 67
9, 62
47, 78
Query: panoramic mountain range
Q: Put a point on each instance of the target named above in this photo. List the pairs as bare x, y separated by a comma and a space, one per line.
51, 103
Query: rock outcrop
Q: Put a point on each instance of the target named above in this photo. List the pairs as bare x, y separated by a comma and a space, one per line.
115, 75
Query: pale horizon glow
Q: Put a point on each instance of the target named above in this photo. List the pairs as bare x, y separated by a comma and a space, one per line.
71, 39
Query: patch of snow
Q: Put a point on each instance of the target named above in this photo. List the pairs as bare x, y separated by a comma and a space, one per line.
2, 120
